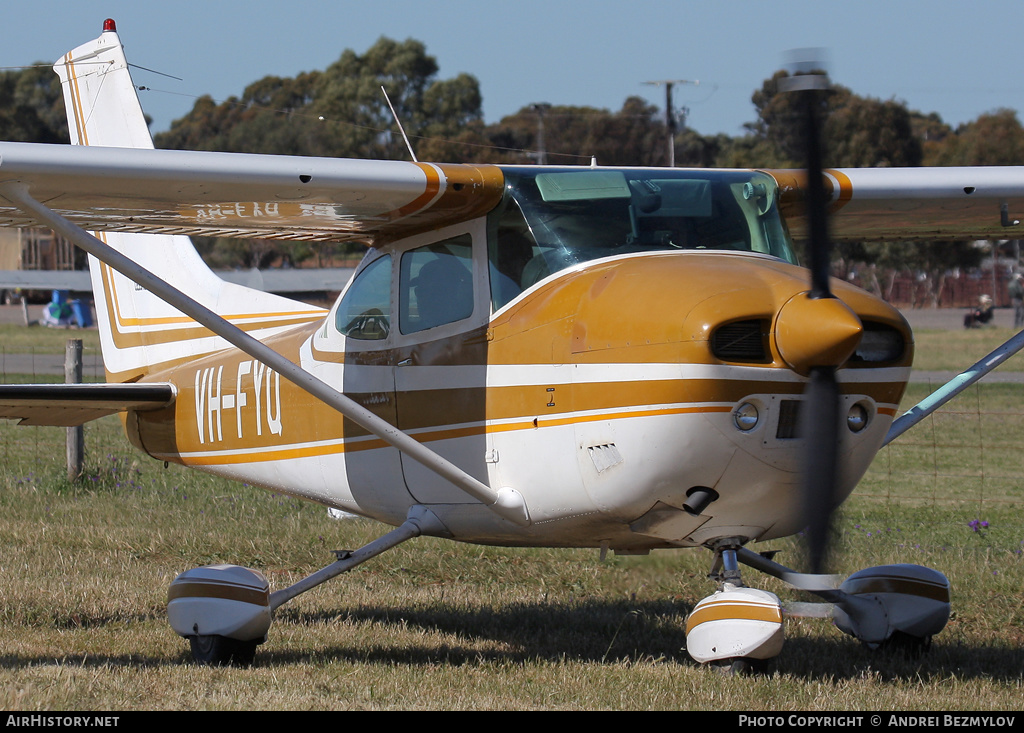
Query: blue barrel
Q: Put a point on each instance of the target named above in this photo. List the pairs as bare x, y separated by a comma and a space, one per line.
82, 313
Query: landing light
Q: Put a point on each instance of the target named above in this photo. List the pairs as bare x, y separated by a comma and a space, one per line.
879, 343
745, 417
857, 418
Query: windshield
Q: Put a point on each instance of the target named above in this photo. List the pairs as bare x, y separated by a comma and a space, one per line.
553, 218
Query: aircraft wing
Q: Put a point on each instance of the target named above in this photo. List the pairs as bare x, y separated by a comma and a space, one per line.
913, 203
334, 199
242, 195
67, 405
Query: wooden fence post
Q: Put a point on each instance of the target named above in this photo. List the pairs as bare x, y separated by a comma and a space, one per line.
76, 434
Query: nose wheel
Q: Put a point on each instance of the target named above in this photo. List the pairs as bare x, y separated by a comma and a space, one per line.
741, 666
736, 629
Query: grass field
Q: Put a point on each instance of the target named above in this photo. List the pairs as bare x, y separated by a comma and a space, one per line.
17, 339
940, 350
436, 625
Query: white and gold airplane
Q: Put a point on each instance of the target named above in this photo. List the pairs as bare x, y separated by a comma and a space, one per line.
526, 356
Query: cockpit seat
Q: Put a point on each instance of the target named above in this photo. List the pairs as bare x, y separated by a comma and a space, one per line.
546, 263
444, 292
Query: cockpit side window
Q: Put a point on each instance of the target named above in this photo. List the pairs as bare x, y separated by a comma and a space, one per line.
436, 284
365, 311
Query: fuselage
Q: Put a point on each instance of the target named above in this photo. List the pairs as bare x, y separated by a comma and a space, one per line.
605, 372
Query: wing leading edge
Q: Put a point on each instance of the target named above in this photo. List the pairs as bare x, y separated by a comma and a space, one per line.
244, 195
912, 203
328, 199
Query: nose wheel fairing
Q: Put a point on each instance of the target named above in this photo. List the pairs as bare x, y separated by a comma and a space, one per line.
735, 623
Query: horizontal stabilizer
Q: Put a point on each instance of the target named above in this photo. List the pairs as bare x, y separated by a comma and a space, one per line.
275, 280
67, 405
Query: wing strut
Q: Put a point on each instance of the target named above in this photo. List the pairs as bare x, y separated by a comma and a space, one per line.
953, 387
506, 502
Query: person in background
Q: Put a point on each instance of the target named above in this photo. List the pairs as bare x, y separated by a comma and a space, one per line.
1016, 290
58, 311
980, 315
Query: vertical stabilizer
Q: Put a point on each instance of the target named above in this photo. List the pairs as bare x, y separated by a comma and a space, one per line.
139, 333
99, 96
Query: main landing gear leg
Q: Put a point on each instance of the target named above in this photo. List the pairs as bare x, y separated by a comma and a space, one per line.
736, 628
225, 611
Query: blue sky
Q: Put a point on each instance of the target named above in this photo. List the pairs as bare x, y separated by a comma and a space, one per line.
954, 58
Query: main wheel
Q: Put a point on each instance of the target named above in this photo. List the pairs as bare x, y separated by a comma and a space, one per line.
911, 647
742, 666
219, 651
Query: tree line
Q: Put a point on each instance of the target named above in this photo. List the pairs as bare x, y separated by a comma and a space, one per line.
341, 112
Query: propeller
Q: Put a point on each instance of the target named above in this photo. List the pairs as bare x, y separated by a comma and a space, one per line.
820, 424
828, 332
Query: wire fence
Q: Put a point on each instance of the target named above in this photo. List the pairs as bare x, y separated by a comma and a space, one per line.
970, 452
32, 451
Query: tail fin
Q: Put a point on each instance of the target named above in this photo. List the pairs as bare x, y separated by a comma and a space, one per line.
139, 333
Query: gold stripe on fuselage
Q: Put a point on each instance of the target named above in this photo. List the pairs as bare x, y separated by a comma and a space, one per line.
363, 442
528, 369
307, 427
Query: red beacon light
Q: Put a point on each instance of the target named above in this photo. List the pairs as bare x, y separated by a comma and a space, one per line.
109, 25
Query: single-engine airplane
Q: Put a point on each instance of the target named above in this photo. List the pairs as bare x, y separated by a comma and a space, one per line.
526, 356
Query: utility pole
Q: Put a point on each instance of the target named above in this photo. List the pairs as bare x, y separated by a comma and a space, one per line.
541, 156
670, 118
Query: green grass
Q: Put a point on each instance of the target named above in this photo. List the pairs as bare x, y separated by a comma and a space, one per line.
937, 350
85, 569
438, 625
18, 339
968, 452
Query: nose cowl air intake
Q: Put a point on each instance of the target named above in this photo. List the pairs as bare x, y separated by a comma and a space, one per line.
816, 332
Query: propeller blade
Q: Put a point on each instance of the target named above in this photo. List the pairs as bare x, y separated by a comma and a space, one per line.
819, 425
819, 422
817, 212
